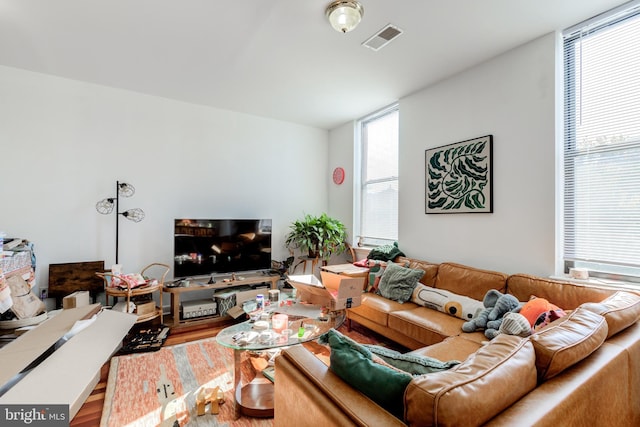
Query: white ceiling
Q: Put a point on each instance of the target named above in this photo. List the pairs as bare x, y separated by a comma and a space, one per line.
274, 58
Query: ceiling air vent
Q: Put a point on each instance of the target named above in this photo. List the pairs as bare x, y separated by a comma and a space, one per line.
382, 37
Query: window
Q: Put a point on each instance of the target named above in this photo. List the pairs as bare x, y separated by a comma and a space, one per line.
602, 145
377, 194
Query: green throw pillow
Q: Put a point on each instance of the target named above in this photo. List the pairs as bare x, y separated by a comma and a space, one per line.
411, 363
353, 363
397, 282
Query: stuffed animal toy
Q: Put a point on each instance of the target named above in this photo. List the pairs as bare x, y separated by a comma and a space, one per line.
480, 321
490, 319
513, 324
505, 304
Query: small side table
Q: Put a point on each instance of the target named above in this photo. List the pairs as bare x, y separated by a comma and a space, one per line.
306, 259
154, 285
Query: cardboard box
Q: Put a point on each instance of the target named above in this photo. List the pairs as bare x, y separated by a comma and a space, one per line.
25, 303
346, 269
346, 292
309, 289
336, 291
145, 307
69, 374
76, 299
349, 270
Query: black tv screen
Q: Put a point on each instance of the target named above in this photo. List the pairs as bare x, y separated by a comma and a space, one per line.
212, 246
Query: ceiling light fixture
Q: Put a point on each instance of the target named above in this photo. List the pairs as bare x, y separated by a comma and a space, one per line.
344, 15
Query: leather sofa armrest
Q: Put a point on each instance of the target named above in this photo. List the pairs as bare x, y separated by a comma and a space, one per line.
298, 367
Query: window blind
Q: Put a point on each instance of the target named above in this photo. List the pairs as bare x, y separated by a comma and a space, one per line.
602, 144
379, 178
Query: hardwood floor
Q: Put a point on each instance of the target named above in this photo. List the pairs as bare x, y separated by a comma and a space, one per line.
91, 411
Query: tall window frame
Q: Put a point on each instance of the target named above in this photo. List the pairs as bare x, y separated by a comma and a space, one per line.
601, 145
376, 185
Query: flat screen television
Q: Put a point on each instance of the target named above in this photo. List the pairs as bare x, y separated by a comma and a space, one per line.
213, 246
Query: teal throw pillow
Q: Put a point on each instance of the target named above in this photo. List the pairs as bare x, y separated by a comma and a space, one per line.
411, 363
397, 282
355, 365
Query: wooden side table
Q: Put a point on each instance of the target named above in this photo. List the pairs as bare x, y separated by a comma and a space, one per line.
307, 259
155, 285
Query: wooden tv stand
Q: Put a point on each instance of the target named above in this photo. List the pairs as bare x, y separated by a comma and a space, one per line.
174, 319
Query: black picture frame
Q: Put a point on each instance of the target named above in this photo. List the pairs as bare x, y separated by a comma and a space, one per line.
459, 177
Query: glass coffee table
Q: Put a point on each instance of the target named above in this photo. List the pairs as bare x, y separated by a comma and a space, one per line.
305, 323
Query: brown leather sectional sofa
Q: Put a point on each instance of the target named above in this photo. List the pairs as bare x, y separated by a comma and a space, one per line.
582, 369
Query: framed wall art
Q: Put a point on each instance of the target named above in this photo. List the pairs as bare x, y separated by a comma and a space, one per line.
459, 177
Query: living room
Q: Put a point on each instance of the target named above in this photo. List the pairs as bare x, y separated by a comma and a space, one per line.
67, 140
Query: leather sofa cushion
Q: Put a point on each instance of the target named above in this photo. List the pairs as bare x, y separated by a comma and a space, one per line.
469, 281
453, 348
594, 392
376, 308
425, 325
620, 310
485, 384
567, 341
565, 295
430, 269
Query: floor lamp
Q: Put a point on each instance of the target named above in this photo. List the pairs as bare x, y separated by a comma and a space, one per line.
106, 206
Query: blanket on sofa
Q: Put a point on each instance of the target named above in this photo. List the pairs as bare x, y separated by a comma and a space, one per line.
385, 252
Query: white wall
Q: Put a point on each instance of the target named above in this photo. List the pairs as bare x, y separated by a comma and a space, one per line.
65, 143
341, 196
512, 98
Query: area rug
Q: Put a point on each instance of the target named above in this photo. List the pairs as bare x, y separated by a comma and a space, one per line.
159, 388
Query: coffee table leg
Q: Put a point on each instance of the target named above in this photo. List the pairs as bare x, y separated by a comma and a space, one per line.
254, 399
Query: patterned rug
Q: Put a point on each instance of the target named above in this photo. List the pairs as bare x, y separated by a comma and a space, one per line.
159, 388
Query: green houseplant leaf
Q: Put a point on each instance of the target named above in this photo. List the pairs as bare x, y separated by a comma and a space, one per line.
320, 236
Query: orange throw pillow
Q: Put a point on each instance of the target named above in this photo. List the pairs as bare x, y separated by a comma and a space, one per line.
533, 308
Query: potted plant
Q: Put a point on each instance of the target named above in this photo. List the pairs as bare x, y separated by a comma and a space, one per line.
319, 236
